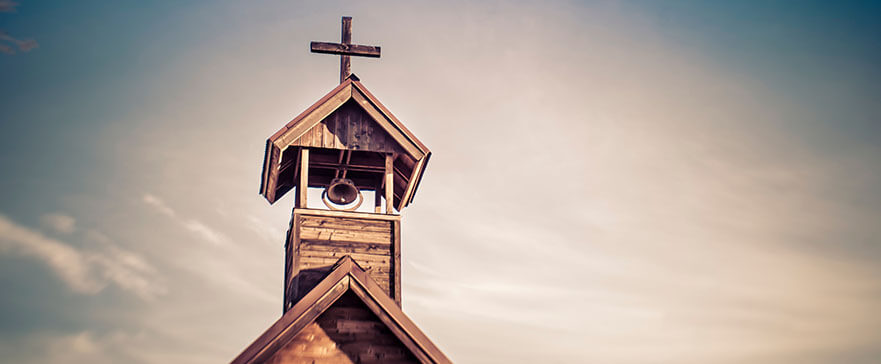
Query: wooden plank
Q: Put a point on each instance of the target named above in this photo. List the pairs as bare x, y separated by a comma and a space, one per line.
358, 86
303, 183
356, 227
341, 132
314, 116
389, 183
292, 250
346, 49
411, 185
357, 124
373, 259
377, 198
312, 262
341, 223
393, 131
352, 218
326, 126
352, 214
396, 263
309, 233
363, 133
270, 172
347, 247
320, 259
345, 43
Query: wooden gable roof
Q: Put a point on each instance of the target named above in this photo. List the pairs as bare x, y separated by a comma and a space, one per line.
346, 278
316, 126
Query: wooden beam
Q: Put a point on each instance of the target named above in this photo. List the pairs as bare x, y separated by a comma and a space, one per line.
346, 164
377, 198
345, 40
339, 162
389, 183
352, 167
349, 214
413, 182
396, 261
345, 49
268, 184
303, 183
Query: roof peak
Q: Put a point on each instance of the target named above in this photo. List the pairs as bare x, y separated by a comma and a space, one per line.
346, 276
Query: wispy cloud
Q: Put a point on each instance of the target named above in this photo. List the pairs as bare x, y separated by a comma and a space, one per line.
24, 45
159, 205
8, 43
8, 6
196, 227
58, 222
87, 272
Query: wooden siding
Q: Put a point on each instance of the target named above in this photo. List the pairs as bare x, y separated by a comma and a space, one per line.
349, 128
320, 238
348, 332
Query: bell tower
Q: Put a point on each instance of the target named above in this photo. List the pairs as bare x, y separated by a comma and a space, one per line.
342, 278
346, 144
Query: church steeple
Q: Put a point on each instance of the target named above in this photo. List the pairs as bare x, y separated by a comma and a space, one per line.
346, 143
342, 279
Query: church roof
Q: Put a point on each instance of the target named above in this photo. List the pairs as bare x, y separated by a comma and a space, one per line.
346, 277
412, 154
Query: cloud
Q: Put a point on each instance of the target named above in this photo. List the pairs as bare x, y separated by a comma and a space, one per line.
8, 6
267, 232
82, 346
24, 45
197, 227
87, 272
59, 222
159, 205
203, 231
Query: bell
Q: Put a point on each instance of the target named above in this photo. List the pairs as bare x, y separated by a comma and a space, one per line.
342, 191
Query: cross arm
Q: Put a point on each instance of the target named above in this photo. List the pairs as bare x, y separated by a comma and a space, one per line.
345, 49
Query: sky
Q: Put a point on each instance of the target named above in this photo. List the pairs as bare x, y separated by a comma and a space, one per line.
611, 182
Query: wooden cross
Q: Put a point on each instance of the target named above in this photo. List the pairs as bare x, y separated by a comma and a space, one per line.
345, 48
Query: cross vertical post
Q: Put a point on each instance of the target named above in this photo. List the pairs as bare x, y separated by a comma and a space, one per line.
346, 38
345, 49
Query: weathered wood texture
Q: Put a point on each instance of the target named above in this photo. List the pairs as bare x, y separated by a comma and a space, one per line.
348, 332
352, 107
319, 238
345, 48
349, 128
347, 277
